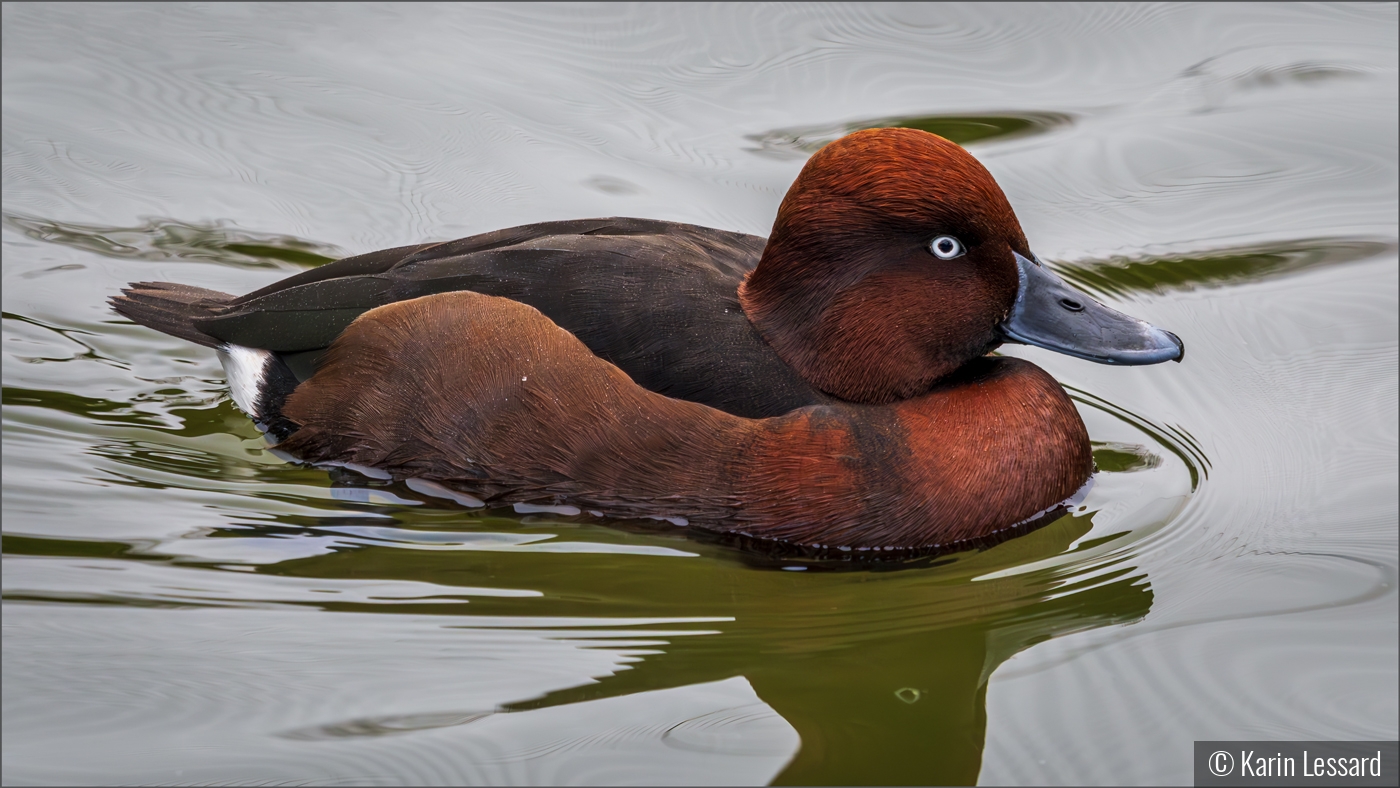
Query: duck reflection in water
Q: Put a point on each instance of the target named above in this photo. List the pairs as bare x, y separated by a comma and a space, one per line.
885, 684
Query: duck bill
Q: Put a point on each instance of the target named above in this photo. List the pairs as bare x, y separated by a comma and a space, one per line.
1049, 313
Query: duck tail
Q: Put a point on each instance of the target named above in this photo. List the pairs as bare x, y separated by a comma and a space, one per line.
170, 308
259, 380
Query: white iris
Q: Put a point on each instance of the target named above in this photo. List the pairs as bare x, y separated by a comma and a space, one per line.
946, 247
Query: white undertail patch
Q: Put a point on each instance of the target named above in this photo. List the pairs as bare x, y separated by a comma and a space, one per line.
246, 370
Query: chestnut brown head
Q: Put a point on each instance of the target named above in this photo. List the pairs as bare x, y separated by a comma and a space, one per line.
890, 265
895, 259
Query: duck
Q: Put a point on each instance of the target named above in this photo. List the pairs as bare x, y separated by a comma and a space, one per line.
829, 387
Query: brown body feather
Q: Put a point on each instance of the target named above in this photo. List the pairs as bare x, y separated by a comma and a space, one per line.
488, 396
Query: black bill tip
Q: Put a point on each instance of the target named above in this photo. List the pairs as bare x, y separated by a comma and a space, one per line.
1051, 314
1180, 347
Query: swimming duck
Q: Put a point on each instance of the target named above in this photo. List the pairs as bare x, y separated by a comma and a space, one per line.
828, 388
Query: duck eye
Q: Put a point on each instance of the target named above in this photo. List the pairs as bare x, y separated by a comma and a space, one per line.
946, 247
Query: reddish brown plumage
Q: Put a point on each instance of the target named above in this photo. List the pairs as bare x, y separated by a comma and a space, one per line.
488, 396
847, 291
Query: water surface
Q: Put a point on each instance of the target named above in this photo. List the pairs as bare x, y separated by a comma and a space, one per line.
182, 606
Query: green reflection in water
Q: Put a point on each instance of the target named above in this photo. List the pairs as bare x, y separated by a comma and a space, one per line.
1123, 457
18, 544
795, 143
884, 674
1122, 276
167, 239
965, 129
214, 441
835, 653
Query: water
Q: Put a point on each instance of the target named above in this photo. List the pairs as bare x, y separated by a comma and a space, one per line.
181, 606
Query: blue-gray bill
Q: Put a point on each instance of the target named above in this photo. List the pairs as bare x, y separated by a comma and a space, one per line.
1049, 313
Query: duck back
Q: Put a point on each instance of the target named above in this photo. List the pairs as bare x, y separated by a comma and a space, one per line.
656, 299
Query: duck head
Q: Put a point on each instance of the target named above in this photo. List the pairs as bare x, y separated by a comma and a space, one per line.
895, 259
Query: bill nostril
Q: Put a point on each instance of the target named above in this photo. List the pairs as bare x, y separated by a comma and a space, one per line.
1071, 305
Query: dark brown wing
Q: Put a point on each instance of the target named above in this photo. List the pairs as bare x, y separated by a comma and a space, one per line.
657, 299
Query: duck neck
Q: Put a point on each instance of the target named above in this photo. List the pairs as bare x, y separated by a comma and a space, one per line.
857, 330
990, 447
